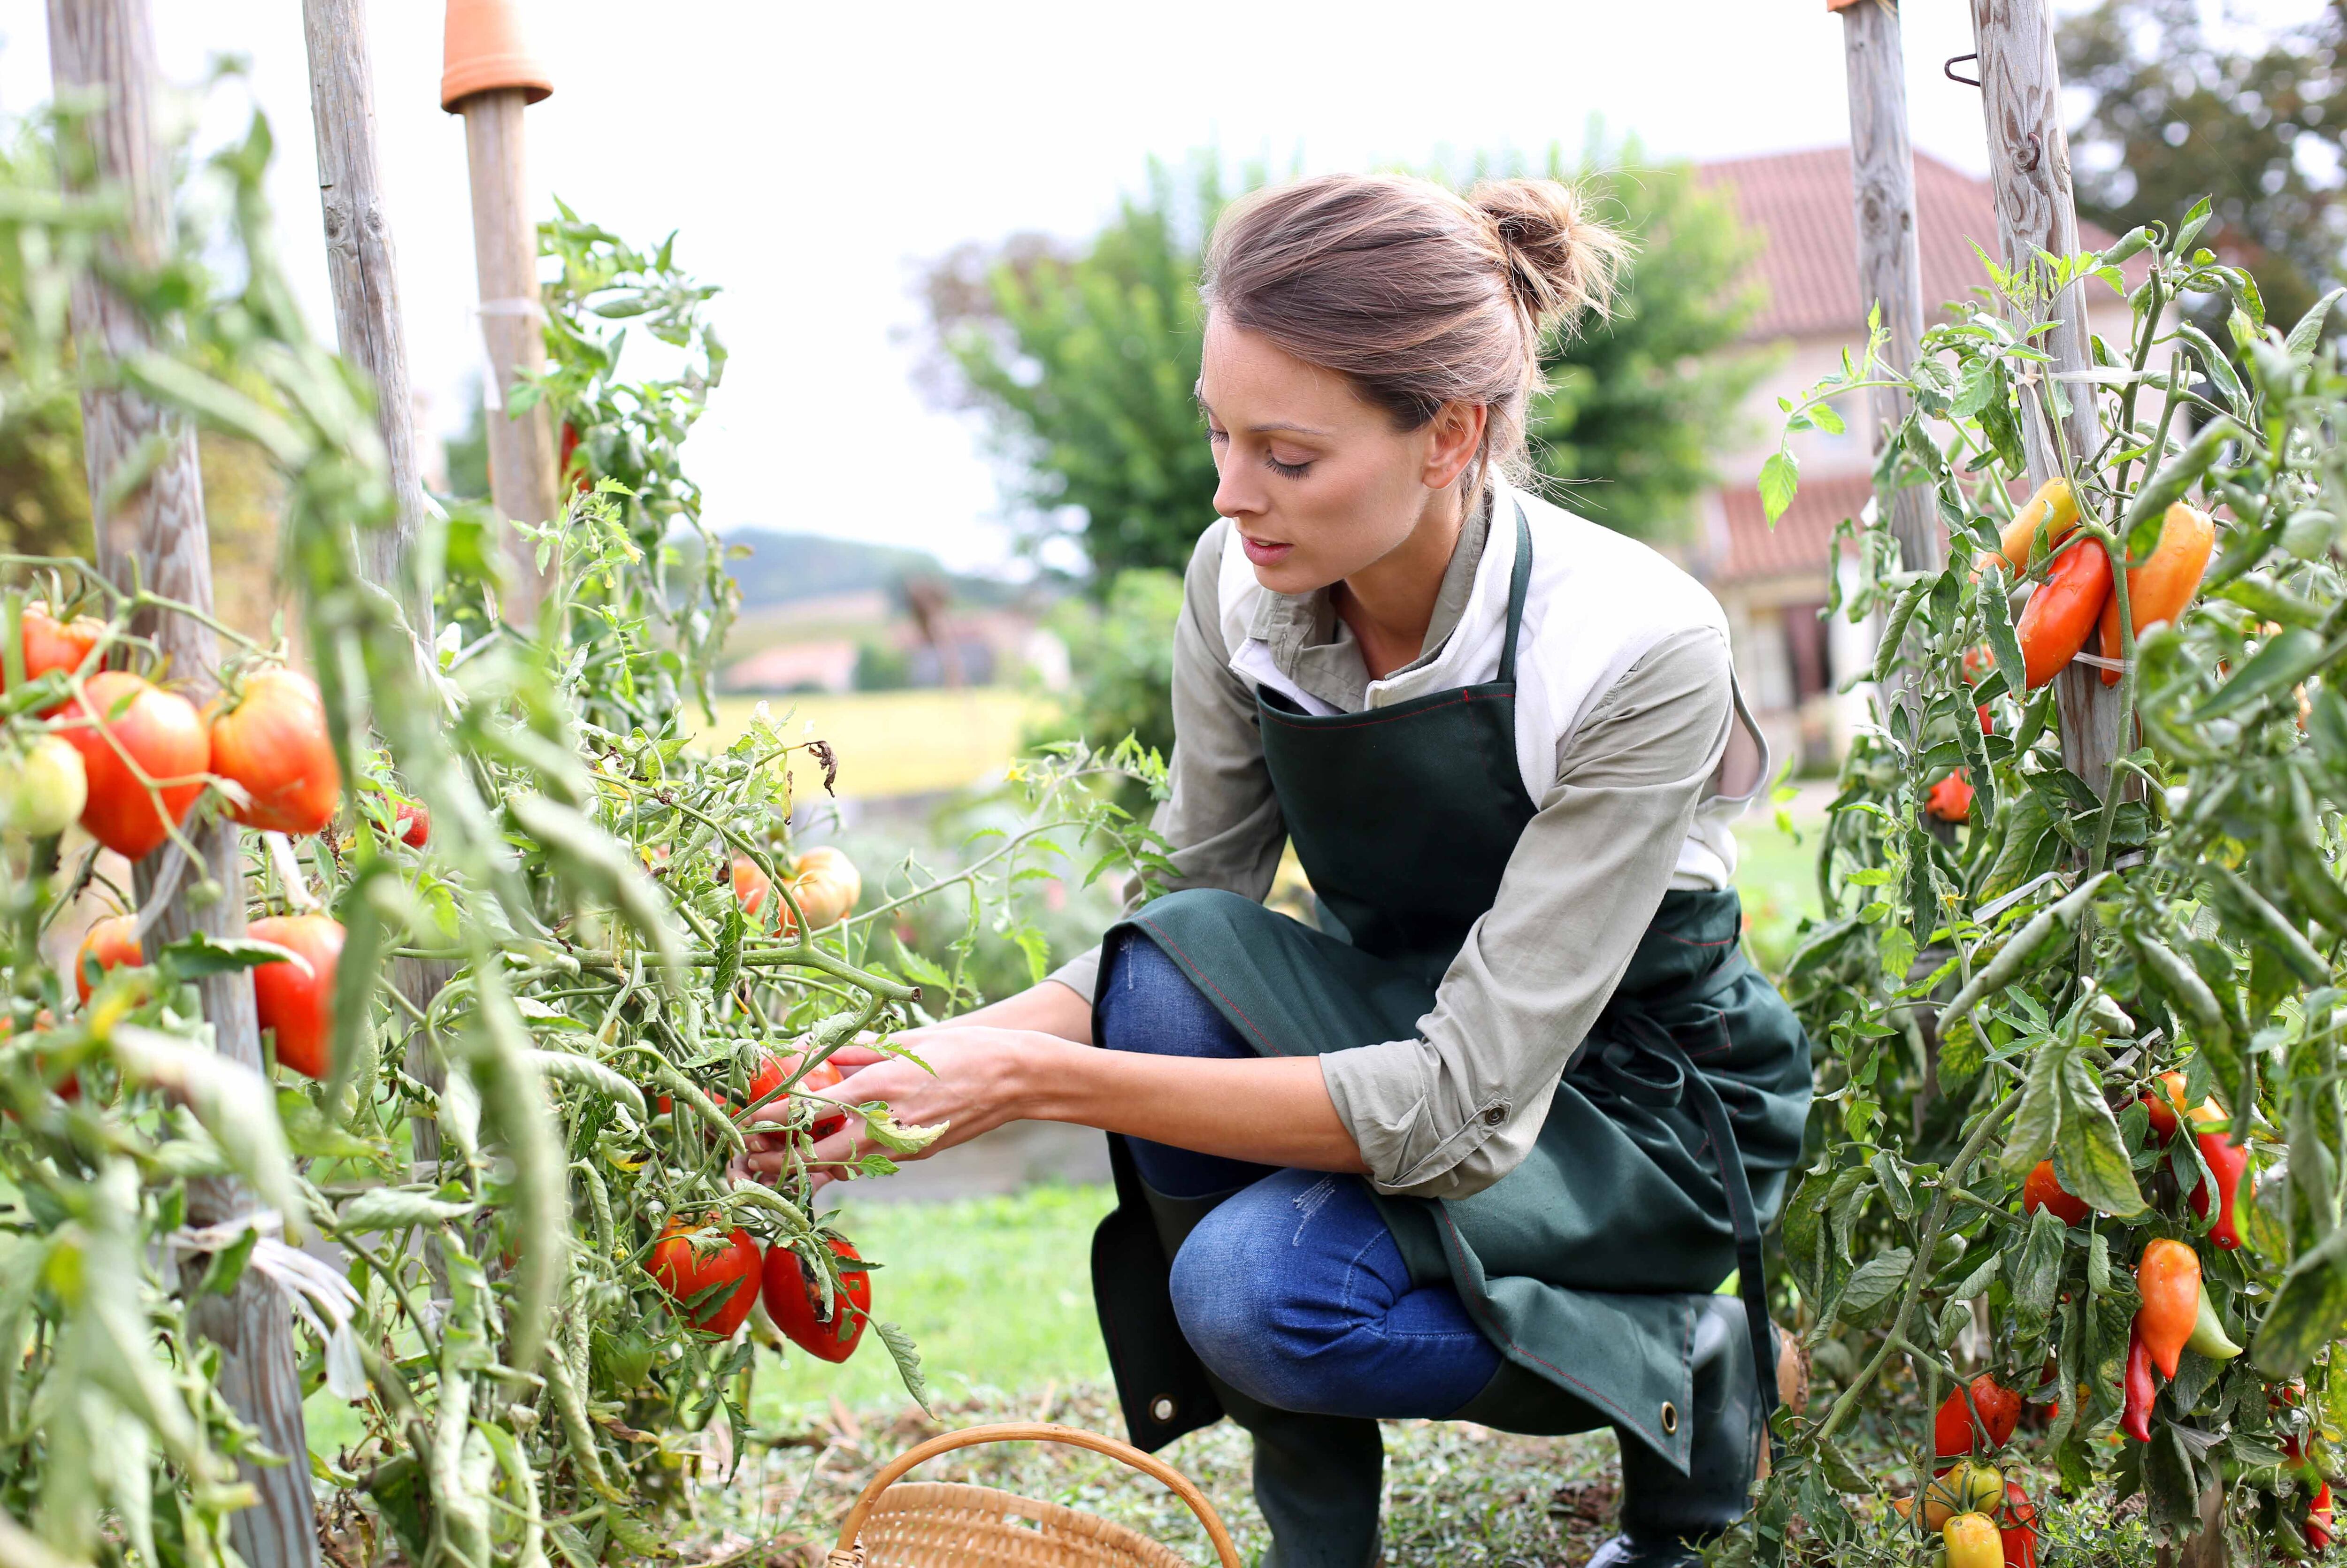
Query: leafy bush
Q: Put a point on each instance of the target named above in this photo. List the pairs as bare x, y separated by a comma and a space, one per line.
547, 1013
2012, 989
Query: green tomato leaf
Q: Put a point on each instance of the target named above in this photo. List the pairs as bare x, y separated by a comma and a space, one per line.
1780, 476
2095, 1161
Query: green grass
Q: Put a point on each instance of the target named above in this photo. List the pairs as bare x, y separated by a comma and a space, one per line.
1777, 873
995, 1291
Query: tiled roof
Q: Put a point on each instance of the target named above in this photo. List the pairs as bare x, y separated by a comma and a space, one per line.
1799, 544
1800, 203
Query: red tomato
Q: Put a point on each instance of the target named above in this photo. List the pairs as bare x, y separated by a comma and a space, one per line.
297, 998
110, 942
2043, 1191
824, 1075
414, 825
569, 445
770, 1076
1951, 799
270, 738
795, 1304
2318, 1518
2016, 1527
1954, 1430
162, 733
685, 1271
51, 644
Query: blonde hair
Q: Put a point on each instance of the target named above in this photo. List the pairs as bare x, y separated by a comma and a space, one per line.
1418, 295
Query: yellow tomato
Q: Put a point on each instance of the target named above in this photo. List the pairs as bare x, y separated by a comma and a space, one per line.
1973, 1542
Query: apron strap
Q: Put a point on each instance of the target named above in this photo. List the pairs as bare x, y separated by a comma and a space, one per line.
1518, 585
1643, 1034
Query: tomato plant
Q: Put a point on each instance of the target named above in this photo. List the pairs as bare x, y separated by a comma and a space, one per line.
2014, 1011
527, 999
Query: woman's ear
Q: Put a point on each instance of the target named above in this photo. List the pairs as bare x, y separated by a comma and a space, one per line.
1457, 434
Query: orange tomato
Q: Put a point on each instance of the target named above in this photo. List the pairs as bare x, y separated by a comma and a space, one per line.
2162, 586
2055, 505
51, 644
270, 738
1951, 799
297, 998
2062, 610
750, 887
2169, 1280
2044, 1190
826, 884
110, 942
157, 730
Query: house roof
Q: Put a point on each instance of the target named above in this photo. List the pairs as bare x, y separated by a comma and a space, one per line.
1802, 542
1801, 205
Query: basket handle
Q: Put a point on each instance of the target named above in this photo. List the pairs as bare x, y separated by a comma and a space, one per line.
848, 1554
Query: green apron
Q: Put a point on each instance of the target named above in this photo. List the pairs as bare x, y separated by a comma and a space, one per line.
1669, 1140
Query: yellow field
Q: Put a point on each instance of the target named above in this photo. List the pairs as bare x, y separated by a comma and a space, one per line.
894, 743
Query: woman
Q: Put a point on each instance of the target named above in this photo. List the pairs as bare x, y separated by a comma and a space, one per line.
1484, 1145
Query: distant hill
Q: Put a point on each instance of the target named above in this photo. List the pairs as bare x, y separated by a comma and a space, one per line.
783, 568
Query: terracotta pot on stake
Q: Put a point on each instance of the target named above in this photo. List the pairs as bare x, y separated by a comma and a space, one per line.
489, 76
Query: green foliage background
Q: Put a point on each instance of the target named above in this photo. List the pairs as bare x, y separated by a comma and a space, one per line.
1083, 360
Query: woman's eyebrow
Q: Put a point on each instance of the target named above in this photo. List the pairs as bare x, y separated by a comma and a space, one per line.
1200, 399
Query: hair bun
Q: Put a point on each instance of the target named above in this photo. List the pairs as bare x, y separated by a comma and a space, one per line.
1562, 263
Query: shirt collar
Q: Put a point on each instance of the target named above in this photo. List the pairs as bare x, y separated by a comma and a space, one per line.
1312, 646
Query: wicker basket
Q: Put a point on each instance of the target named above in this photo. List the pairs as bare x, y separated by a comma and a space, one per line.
942, 1524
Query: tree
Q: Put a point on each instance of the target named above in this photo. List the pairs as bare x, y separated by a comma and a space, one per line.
1083, 360
2177, 115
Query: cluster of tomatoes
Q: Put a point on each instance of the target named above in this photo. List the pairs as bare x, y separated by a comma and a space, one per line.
2077, 603
1982, 1518
2176, 1313
128, 760
716, 1285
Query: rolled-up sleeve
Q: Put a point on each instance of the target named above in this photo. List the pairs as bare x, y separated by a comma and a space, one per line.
1221, 815
1450, 1113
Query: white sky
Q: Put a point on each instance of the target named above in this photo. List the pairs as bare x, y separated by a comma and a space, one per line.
813, 154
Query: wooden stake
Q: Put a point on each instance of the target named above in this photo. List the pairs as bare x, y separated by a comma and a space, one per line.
2029, 162
1889, 274
368, 326
505, 253
155, 536
360, 268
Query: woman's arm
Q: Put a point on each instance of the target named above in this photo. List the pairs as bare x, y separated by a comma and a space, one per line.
1053, 1007
1274, 1110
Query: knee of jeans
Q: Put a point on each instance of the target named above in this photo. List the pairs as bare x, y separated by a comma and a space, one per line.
1264, 1293
1149, 1004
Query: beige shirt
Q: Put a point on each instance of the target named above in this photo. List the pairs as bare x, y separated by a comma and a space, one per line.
1447, 1113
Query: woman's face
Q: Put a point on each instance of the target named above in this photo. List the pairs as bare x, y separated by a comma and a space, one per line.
1319, 484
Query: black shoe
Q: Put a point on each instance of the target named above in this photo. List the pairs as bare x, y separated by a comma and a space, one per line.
1666, 1515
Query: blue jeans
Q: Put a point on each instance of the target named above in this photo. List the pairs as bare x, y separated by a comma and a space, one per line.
1292, 1290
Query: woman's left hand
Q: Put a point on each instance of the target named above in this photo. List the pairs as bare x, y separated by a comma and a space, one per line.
974, 1082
